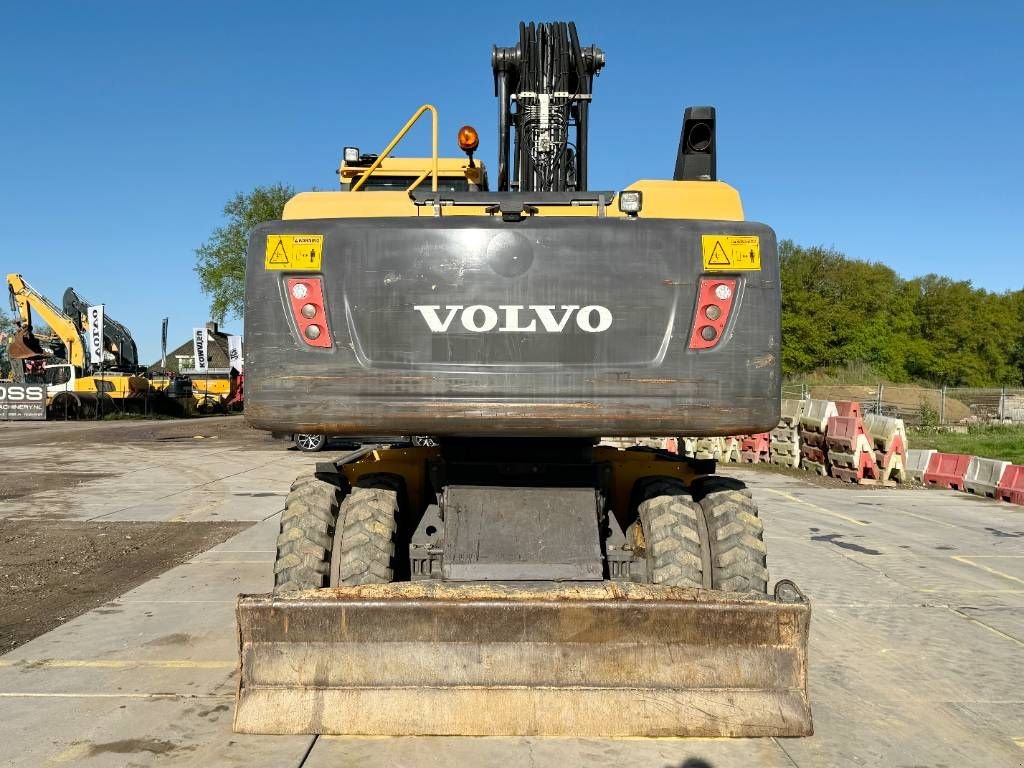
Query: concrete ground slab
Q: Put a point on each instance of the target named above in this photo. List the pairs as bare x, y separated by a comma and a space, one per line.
917, 646
443, 752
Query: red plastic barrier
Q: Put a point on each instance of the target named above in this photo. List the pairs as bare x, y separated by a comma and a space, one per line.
947, 470
813, 453
848, 407
756, 443
844, 430
754, 449
1011, 485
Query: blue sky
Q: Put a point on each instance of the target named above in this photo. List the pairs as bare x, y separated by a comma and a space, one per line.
889, 130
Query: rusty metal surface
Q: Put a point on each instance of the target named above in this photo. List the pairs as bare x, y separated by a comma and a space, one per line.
24, 346
490, 659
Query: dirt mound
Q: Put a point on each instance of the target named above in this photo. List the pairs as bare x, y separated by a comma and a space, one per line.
905, 399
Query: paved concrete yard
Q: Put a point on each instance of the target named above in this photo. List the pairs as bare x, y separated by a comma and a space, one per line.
917, 655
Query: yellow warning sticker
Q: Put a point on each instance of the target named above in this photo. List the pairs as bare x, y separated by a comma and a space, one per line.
299, 252
728, 253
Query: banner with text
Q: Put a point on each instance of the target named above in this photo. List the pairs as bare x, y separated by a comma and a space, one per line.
235, 352
199, 349
96, 334
19, 402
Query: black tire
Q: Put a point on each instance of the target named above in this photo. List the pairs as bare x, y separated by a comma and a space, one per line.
64, 406
366, 536
307, 535
738, 553
310, 443
671, 534
683, 539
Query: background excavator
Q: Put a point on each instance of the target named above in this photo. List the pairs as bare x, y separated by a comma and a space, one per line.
117, 340
518, 577
57, 357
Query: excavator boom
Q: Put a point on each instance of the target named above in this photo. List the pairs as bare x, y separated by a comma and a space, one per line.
25, 299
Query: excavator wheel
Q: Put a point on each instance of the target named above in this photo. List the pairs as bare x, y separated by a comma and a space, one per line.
668, 532
717, 543
364, 540
64, 406
738, 552
307, 535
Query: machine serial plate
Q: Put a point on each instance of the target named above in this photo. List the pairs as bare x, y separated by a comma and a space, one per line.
730, 253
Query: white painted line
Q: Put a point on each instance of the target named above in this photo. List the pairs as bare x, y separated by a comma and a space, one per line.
991, 629
993, 571
793, 498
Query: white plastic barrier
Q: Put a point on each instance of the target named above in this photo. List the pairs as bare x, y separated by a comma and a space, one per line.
816, 415
983, 475
785, 445
917, 462
884, 429
731, 450
708, 448
792, 410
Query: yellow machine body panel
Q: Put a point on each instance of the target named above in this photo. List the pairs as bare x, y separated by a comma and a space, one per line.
415, 172
708, 200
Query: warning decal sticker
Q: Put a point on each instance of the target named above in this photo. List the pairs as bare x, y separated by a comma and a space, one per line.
729, 253
297, 252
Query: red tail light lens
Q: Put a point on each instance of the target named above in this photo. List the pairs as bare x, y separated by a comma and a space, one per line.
306, 296
714, 300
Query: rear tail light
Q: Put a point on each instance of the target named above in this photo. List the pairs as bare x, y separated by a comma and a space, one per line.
714, 300
306, 296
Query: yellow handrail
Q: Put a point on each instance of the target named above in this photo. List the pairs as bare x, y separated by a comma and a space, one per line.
417, 180
398, 138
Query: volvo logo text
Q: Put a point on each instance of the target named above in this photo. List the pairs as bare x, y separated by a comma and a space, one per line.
516, 318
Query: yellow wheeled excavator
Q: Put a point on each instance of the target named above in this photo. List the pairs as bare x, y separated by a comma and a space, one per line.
57, 359
517, 577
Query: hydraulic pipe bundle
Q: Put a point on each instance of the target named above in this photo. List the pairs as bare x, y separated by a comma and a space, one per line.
549, 77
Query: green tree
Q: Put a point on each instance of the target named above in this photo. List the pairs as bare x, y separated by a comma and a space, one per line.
806, 332
220, 261
838, 311
968, 333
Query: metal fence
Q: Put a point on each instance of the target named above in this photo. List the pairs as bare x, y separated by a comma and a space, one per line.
921, 406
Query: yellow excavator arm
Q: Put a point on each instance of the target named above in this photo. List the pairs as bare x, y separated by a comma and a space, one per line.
25, 299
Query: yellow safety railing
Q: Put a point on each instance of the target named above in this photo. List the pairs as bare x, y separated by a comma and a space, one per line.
398, 138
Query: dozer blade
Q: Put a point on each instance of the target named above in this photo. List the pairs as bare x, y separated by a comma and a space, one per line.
24, 345
610, 659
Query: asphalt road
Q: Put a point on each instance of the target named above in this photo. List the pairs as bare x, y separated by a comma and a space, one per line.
917, 649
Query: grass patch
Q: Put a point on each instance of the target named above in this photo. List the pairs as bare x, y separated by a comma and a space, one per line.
989, 441
853, 373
